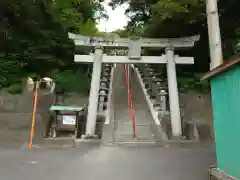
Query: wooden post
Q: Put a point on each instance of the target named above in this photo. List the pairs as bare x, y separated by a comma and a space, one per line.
214, 34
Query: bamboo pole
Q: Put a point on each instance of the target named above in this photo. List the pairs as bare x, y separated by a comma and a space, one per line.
34, 115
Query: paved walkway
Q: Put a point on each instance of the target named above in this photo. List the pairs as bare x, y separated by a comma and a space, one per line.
102, 163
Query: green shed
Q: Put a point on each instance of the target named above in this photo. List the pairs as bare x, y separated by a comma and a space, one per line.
225, 91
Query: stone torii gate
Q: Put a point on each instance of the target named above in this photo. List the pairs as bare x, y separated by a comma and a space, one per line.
134, 56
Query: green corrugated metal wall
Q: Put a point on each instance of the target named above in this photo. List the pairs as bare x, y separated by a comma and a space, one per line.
226, 114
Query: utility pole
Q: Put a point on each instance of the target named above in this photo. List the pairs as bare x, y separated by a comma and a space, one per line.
214, 34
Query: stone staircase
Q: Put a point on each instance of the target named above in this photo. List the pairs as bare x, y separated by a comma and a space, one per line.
123, 125
155, 81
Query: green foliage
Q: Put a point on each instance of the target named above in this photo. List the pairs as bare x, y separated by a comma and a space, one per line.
35, 39
122, 33
193, 83
177, 18
71, 81
89, 28
15, 88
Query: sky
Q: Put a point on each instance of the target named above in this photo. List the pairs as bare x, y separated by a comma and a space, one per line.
117, 19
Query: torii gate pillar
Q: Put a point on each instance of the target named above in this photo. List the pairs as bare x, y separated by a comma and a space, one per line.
173, 93
94, 92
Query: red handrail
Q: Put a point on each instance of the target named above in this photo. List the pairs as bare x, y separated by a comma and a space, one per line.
130, 101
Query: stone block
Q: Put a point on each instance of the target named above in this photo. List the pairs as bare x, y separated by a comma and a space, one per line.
216, 174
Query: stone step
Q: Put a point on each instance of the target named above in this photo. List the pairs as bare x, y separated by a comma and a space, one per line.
143, 133
143, 118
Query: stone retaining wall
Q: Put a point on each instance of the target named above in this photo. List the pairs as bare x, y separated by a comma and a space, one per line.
16, 111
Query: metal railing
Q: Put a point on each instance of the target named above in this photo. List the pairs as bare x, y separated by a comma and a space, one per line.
110, 104
130, 101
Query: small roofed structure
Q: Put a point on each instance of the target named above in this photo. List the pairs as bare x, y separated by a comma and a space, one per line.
223, 67
225, 90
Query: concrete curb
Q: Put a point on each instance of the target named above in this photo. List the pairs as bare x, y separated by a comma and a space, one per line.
166, 144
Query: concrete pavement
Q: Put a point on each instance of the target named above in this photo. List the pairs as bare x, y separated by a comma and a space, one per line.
91, 162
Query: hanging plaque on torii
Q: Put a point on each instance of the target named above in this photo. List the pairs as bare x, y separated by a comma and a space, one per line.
134, 56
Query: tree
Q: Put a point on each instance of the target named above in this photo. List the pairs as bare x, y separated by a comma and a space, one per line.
35, 36
176, 18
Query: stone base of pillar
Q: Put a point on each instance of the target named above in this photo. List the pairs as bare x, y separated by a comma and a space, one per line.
167, 129
88, 136
216, 174
178, 138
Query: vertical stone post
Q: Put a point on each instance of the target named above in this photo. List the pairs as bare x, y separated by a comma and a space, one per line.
173, 93
94, 93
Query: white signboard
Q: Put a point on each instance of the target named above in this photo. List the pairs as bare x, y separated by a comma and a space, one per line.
69, 120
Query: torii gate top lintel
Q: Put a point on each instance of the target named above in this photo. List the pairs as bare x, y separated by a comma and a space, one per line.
186, 42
